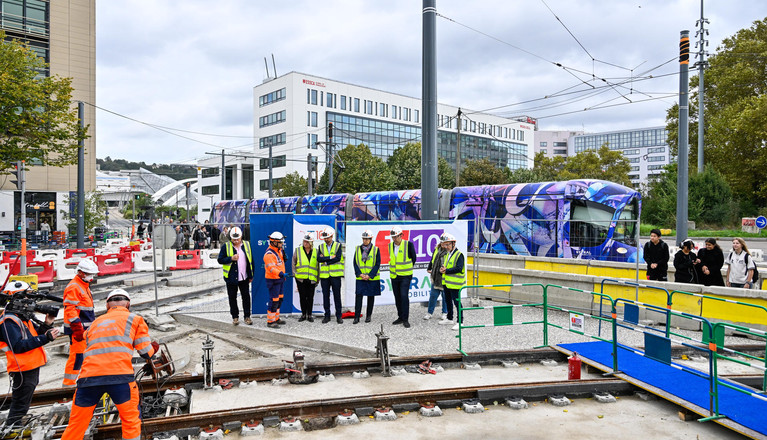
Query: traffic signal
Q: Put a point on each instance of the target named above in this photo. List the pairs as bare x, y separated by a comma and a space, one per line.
330, 130
137, 197
17, 177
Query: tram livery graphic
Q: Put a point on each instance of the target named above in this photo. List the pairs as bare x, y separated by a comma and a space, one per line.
584, 219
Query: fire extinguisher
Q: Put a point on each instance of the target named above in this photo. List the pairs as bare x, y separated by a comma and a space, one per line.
574, 367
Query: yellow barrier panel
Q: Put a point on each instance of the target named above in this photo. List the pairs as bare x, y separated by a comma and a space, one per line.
548, 266
725, 311
29, 279
616, 272
655, 297
486, 278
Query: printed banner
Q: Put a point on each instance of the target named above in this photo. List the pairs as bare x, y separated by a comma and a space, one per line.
312, 224
423, 234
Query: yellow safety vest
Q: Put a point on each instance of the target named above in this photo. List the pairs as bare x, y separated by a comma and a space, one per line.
306, 267
230, 252
367, 266
400, 264
331, 270
456, 280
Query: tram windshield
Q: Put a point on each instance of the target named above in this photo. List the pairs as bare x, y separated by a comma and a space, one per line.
589, 223
625, 227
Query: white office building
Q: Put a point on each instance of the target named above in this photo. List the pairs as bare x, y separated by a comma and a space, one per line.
646, 149
553, 143
291, 114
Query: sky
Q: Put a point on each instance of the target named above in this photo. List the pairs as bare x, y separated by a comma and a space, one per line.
189, 66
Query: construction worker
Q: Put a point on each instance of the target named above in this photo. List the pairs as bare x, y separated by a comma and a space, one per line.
454, 276
307, 272
331, 259
78, 315
367, 262
22, 341
237, 262
274, 272
107, 367
402, 258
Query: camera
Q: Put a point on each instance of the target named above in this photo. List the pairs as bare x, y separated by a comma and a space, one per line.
25, 304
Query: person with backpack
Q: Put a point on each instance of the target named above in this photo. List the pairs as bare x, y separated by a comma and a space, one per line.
741, 269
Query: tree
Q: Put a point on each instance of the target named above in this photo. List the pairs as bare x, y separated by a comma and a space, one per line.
363, 172
735, 115
95, 213
293, 184
482, 172
604, 164
37, 120
548, 168
405, 165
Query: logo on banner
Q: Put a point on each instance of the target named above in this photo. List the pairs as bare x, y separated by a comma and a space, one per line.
424, 241
577, 323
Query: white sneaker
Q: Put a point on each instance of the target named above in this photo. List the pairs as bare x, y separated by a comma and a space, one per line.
445, 321
427, 316
455, 327
444, 316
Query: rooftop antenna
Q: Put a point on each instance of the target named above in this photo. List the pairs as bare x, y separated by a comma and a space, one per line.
266, 64
274, 66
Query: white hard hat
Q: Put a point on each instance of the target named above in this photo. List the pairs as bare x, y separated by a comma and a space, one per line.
276, 235
396, 231
327, 233
118, 292
367, 233
308, 237
235, 233
88, 266
15, 287
446, 237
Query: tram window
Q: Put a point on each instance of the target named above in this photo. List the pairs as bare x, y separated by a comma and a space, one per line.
589, 223
625, 228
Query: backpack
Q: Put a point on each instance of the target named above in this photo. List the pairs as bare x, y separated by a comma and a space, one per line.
756, 270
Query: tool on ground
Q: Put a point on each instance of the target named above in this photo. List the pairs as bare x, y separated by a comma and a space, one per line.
161, 364
382, 352
296, 370
207, 362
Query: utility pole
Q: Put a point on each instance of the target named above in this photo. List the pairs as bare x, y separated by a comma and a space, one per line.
309, 166
458, 152
683, 139
701, 64
269, 141
429, 187
81, 180
223, 175
133, 209
330, 156
23, 183
187, 202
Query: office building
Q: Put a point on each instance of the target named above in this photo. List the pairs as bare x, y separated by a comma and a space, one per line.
64, 34
292, 112
553, 143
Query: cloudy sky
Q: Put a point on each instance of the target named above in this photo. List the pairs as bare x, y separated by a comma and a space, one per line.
189, 66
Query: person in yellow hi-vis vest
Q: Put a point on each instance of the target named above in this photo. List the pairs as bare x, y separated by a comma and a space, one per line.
307, 272
331, 259
454, 276
367, 264
402, 258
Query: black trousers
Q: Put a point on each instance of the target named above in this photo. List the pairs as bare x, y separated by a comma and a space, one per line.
358, 305
335, 284
244, 289
306, 296
23, 385
401, 289
452, 300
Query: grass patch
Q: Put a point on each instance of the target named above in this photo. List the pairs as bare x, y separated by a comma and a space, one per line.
644, 230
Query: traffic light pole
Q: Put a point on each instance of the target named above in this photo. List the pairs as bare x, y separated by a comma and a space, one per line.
23, 183
309, 166
81, 180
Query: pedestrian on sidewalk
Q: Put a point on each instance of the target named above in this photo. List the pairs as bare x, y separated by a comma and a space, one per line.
711, 261
656, 255
685, 263
741, 268
437, 286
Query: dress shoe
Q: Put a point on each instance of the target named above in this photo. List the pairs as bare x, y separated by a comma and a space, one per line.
356, 321
406, 324
367, 319
310, 318
398, 321
302, 318
326, 319
339, 320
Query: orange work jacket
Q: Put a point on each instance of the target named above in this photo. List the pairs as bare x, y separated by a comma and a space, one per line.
274, 263
29, 360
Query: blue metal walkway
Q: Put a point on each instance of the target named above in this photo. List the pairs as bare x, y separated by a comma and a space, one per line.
745, 410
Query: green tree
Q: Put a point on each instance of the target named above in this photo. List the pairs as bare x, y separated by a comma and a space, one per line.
483, 172
37, 120
293, 184
363, 172
735, 115
604, 164
405, 165
95, 213
548, 168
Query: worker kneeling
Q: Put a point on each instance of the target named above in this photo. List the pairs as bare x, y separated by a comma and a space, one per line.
107, 367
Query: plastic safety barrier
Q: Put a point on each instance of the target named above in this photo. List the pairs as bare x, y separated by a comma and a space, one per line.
49, 254
43, 269
9, 256
4, 267
209, 258
112, 264
187, 259
142, 261
66, 268
79, 253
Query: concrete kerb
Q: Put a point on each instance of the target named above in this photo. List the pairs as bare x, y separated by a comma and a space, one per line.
276, 336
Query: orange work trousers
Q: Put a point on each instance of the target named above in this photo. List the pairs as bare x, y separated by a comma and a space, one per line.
125, 397
75, 361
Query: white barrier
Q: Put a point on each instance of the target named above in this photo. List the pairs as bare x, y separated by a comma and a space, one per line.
49, 254
66, 268
142, 261
4, 269
209, 258
758, 255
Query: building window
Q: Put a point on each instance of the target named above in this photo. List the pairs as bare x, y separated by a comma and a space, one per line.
343, 102
332, 100
556, 151
654, 167
634, 160
368, 107
311, 119
210, 172
394, 112
634, 168
630, 152
311, 140
277, 139
416, 116
271, 98
383, 110
274, 118
311, 96
357, 105
209, 190
264, 183
277, 162
656, 159
544, 144
656, 150
544, 151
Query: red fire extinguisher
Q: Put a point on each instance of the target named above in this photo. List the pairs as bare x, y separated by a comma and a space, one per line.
573, 367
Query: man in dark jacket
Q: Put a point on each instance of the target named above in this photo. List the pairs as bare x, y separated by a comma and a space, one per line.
656, 255
236, 260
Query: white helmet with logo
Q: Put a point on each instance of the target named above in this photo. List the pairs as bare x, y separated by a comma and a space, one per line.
327, 233
308, 237
367, 233
447, 237
235, 233
15, 287
396, 231
88, 266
